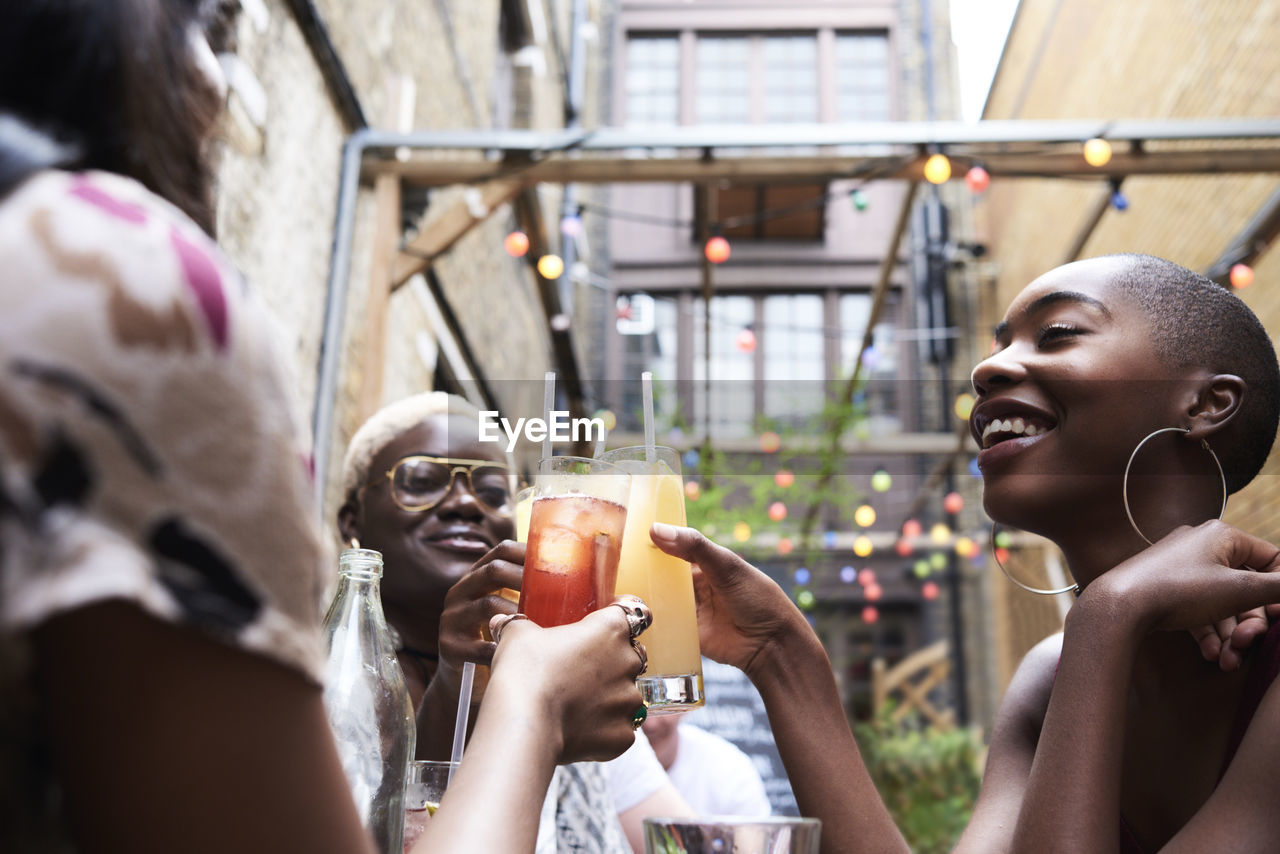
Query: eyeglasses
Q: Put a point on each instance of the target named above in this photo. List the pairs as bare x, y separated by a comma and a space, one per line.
419, 483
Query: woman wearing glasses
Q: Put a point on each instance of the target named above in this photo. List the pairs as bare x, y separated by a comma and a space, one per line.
438, 502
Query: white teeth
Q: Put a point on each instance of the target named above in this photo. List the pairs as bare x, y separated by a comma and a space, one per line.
1016, 426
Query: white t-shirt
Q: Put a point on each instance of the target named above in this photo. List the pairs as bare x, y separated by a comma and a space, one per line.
715, 777
635, 775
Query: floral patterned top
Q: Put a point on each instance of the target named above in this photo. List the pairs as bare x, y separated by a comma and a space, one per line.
149, 451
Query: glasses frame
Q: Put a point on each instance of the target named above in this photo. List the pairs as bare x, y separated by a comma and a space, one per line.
455, 465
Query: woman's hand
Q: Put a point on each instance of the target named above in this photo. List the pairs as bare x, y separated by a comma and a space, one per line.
473, 601
742, 613
1192, 578
576, 684
1227, 640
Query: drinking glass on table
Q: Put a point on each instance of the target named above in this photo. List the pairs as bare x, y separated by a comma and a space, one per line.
427, 782
575, 537
673, 682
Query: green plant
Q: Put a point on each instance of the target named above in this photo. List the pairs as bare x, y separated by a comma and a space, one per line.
928, 777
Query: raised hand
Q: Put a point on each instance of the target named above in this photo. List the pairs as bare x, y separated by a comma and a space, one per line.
741, 611
577, 682
1192, 578
474, 600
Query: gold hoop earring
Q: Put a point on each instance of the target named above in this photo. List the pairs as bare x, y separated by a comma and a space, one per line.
1124, 484
1041, 591
354, 542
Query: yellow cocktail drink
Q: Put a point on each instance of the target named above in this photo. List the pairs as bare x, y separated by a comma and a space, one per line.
673, 681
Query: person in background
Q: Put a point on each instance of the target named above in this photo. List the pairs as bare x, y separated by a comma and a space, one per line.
710, 772
160, 564
422, 488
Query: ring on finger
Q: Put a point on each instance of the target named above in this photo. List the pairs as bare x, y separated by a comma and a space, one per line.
497, 630
644, 656
639, 617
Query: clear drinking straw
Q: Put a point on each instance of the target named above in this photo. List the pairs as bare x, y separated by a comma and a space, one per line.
464, 712
548, 403
650, 443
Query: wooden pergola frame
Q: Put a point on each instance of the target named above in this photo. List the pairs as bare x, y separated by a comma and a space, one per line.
506, 166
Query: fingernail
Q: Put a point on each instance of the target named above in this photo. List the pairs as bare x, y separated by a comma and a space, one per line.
664, 532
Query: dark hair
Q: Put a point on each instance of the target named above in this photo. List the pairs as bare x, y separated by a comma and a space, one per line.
1200, 323
116, 83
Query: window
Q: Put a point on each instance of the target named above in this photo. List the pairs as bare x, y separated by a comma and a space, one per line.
790, 77
653, 81
732, 402
879, 396
862, 77
793, 357
648, 328
724, 80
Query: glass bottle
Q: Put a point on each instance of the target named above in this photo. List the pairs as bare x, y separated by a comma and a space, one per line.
367, 700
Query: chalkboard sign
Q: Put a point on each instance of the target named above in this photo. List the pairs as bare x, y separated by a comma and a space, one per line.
735, 712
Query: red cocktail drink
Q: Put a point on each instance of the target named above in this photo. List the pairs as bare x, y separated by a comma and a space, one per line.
571, 565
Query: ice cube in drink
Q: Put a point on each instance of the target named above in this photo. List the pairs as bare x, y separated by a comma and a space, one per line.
571, 562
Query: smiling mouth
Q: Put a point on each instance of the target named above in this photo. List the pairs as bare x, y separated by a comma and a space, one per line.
1015, 427
461, 542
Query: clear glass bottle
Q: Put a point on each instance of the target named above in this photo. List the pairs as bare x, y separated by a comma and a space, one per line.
367, 700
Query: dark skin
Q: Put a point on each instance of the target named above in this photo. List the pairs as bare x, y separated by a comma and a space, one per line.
1154, 741
1121, 715
443, 569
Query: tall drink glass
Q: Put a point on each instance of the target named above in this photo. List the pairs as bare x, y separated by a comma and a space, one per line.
425, 787
673, 682
575, 537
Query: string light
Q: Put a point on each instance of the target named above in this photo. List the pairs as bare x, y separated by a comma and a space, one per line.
550, 266
862, 546
937, 169
770, 442
860, 200
692, 490
784, 478
865, 516
717, 250
912, 528
929, 590
1241, 276
801, 575
867, 577
777, 511
805, 599
937, 560
881, 481
848, 574
571, 225
903, 548
829, 539
606, 415
746, 341
516, 244
870, 614
742, 532
1118, 199
966, 547
921, 568
953, 502
785, 546
977, 180
964, 406
1097, 152
873, 592
940, 533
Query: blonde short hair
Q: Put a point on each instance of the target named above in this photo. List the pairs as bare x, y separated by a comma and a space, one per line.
389, 423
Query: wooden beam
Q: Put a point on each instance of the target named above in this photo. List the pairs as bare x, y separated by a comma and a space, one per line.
386, 239
888, 262
436, 236
568, 375
1251, 242
600, 168
1100, 205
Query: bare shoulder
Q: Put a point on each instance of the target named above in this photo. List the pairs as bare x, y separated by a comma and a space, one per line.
1027, 697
